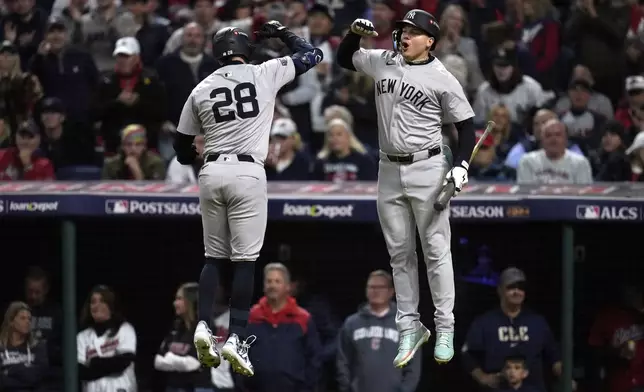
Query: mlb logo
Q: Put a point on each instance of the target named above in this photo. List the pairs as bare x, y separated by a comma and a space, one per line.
116, 206
588, 212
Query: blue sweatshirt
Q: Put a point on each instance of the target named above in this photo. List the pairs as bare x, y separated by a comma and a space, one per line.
493, 337
353, 167
366, 349
22, 367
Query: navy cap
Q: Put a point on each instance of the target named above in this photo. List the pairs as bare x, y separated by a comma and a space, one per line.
56, 23
322, 9
52, 104
511, 276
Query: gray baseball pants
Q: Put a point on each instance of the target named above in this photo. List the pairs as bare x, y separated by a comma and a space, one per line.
234, 207
406, 194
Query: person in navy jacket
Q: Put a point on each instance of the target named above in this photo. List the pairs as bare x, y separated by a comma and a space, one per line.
286, 352
508, 330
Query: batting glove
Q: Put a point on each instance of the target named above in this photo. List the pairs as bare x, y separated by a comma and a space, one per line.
271, 29
458, 176
364, 28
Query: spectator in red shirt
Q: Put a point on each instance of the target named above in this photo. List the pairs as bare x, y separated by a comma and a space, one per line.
540, 34
616, 338
24, 161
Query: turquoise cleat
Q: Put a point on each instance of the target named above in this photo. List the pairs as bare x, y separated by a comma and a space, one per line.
444, 349
408, 345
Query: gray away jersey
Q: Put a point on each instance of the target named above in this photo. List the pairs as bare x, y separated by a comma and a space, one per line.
413, 101
234, 107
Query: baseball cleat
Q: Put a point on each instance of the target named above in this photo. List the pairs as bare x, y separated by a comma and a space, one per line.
444, 348
206, 345
410, 343
236, 353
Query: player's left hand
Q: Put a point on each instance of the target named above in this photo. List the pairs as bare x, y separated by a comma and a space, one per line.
270, 29
458, 175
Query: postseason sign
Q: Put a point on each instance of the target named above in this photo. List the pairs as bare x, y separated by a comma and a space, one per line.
317, 202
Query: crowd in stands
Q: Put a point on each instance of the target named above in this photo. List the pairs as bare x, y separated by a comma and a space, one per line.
94, 89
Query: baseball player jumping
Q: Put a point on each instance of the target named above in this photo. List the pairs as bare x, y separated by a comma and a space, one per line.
415, 94
234, 107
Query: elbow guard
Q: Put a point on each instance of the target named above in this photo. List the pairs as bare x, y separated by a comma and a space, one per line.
304, 61
185, 150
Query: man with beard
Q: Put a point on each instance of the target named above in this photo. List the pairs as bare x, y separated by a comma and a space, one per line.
509, 330
182, 70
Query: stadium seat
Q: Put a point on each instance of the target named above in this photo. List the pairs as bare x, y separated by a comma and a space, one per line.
79, 173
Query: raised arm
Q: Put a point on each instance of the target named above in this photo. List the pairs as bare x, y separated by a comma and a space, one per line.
305, 56
351, 42
366, 60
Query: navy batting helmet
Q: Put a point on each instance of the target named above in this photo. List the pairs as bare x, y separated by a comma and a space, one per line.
420, 19
231, 41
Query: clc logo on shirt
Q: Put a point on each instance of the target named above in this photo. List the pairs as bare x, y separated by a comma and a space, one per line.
513, 334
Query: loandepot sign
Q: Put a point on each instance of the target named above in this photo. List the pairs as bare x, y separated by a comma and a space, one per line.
318, 210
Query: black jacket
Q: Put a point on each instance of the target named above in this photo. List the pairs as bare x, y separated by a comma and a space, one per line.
179, 80
73, 67
149, 110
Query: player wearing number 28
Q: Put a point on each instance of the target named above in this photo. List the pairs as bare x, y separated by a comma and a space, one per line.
415, 95
233, 108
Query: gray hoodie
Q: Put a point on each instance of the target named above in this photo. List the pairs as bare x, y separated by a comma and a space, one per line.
366, 350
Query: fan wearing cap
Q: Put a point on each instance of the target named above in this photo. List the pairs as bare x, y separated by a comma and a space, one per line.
486, 166
554, 163
598, 102
24, 162
631, 115
134, 161
130, 94
186, 174
286, 160
510, 329
59, 65
507, 85
584, 125
609, 161
64, 142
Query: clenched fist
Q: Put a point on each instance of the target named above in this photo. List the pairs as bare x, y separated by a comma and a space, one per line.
364, 28
271, 29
